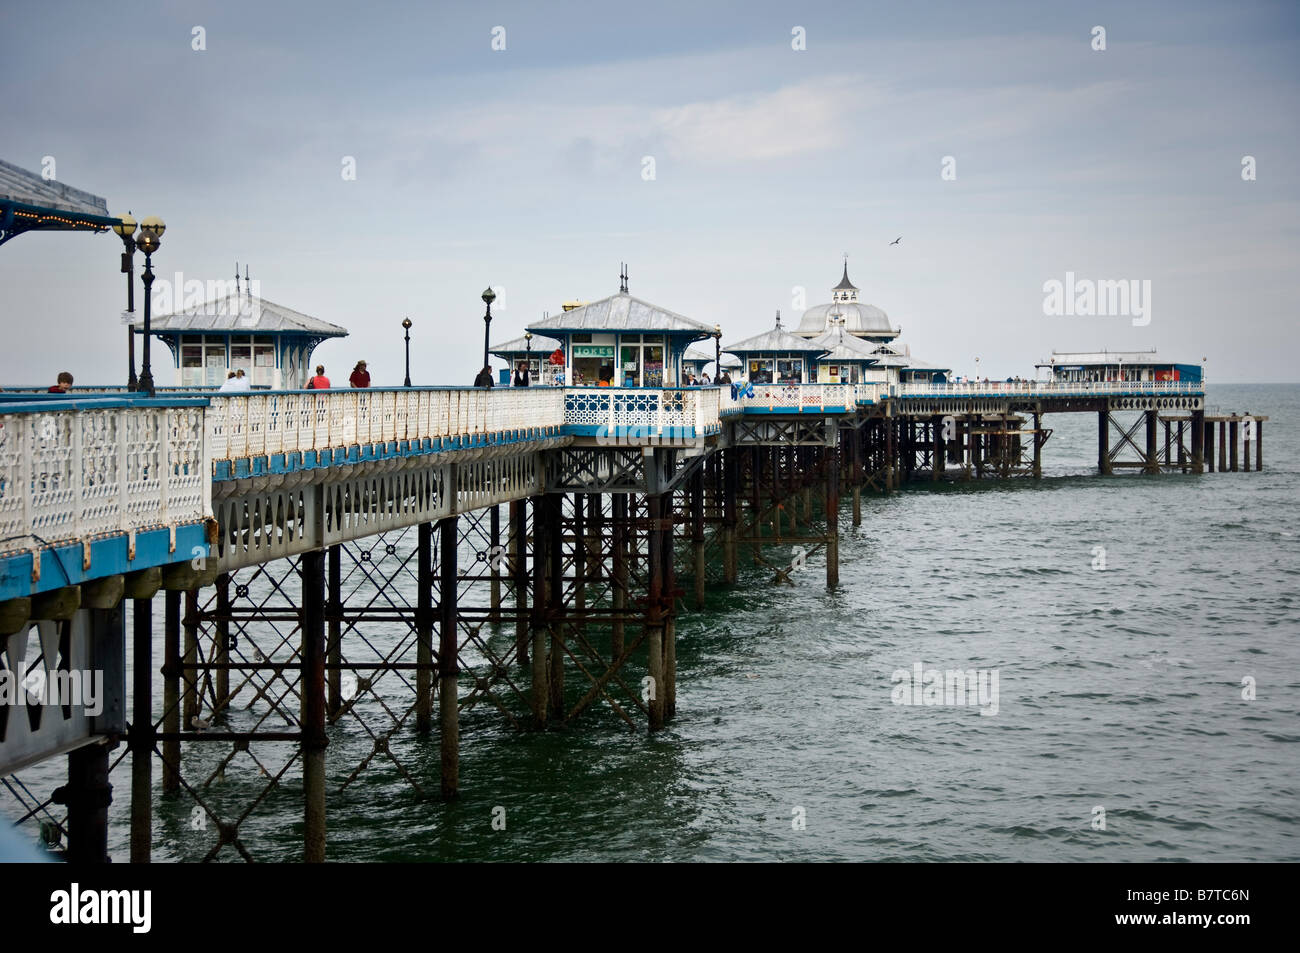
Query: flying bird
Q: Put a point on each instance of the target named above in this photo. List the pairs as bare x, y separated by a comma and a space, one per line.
897, 240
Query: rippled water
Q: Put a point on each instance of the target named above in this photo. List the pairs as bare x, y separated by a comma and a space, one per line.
1119, 689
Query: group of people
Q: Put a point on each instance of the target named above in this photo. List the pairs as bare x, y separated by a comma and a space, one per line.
360, 377
236, 380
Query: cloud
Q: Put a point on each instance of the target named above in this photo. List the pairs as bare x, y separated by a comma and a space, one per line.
794, 120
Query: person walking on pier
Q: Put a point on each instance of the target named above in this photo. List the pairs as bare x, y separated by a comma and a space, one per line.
231, 383
360, 376
64, 384
484, 378
521, 375
320, 381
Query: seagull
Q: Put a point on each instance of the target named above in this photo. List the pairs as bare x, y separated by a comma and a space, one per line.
897, 240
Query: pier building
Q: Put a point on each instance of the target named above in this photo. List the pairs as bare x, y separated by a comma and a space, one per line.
270, 343
1116, 366
622, 341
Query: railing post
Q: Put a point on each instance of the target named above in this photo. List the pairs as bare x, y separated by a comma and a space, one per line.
164, 459
74, 422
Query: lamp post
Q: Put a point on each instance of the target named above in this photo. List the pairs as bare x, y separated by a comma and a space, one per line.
977, 370
717, 352
406, 325
151, 231
126, 231
528, 359
488, 297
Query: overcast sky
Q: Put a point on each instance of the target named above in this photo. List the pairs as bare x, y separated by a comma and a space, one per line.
523, 168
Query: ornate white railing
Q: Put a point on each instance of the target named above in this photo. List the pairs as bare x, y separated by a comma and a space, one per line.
84, 472
650, 412
799, 398
1045, 388
251, 425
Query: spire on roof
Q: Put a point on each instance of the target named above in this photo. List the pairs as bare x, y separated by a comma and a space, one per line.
845, 284
778, 319
622, 277
845, 290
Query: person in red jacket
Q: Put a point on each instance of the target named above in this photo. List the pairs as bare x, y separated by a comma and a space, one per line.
320, 381
360, 376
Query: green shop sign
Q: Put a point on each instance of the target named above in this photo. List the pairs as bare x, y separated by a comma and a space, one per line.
593, 350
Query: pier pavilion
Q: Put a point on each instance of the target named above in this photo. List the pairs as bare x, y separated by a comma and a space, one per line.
694, 361
270, 343
844, 310
622, 341
776, 356
533, 350
1117, 366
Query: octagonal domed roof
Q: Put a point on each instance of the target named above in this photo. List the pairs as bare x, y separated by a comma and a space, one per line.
858, 319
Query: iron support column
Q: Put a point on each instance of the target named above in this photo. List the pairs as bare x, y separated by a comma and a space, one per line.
142, 732
424, 628
313, 705
448, 661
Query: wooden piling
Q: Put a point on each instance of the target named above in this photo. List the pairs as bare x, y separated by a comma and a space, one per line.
1152, 450
730, 487
312, 685
1232, 444
670, 613
142, 731
189, 658
654, 613
697, 536
87, 796
1038, 446
555, 600
1103, 442
424, 581
832, 517
494, 564
334, 631
1198, 441
221, 646
171, 752
541, 688
519, 573
448, 660
618, 573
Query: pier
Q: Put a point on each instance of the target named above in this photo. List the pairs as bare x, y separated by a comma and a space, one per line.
344, 575
551, 537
